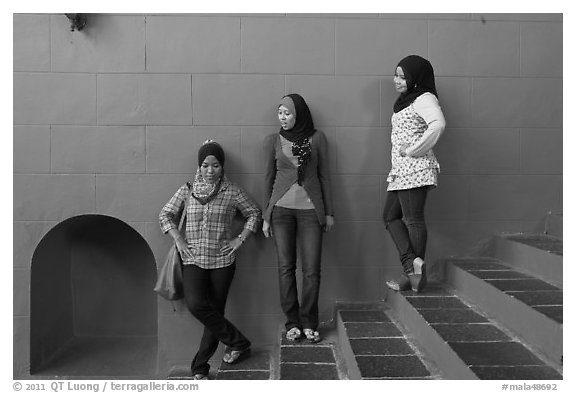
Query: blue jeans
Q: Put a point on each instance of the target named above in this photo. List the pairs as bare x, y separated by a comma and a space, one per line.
298, 230
404, 219
205, 292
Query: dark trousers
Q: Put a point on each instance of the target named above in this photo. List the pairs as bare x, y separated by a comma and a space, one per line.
205, 292
404, 219
296, 229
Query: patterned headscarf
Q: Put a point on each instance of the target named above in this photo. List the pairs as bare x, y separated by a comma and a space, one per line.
202, 190
300, 134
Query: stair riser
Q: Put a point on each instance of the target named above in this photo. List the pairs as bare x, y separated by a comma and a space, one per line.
535, 328
352, 368
540, 263
432, 344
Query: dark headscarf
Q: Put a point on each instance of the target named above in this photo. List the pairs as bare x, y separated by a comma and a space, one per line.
419, 76
301, 132
203, 191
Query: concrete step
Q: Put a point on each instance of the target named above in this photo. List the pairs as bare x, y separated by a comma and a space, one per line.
529, 307
374, 346
537, 255
462, 341
303, 360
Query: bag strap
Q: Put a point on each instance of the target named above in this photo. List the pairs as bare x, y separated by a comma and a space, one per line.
183, 217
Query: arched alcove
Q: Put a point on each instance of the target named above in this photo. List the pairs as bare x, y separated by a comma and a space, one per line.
93, 311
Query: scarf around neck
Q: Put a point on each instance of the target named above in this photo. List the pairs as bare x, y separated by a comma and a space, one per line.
203, 191
300, 134
419, 76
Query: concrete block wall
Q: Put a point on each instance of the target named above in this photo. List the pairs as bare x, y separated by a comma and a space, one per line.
108, 121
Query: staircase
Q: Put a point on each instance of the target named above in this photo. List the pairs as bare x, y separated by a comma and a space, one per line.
496, 316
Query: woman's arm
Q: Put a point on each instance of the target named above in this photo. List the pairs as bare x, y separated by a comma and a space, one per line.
249, 210
428, 108
167, 216
269, 149
324, 173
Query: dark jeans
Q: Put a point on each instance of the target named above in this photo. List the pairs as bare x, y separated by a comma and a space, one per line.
404, 219
298, 229
205, 292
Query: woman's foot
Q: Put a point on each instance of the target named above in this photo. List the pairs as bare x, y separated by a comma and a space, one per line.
234, 356
200, 376
312, 335
293, 334
418, 278
402, 283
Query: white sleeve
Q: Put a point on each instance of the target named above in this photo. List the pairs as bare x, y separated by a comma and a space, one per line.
428, 107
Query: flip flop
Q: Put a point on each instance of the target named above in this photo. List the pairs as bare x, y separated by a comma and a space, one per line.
312, 335
293, 334
234, 356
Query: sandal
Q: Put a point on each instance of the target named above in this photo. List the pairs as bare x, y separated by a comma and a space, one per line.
233, 356
418, 278
312, 335
402, 283
293, 334
200, 376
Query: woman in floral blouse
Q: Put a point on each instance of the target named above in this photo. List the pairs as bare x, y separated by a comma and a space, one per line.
417, 124
208, 251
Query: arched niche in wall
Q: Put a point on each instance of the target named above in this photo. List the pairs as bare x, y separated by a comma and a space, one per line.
93, 310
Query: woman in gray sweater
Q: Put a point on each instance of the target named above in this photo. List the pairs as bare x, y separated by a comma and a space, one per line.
298, 208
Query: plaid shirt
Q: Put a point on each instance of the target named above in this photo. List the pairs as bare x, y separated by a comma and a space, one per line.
208, 226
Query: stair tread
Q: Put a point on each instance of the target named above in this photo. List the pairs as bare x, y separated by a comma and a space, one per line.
535, 293
542, 242
380, 349
477, 341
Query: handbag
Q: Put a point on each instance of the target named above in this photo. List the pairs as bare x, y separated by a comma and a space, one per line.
169, 283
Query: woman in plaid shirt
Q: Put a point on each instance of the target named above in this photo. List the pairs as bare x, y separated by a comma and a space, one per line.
209, 251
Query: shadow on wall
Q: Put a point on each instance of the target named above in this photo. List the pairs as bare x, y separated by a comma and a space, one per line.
93, 312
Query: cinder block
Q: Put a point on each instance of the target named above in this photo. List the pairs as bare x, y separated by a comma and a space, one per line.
252, 147
339, 101
356, 198
21, 292
236, 99
31, 42
307, 45
179, 336
54, 98
361, 49
144, 99
108, 43
21, 348
541, 41
359, 150
488, 204
466, 48
52, 197
245, 297
174, 149
455, 96
27, 236
485, 151
350, 284
31, 149
449, 201
527, 109
135, 197
98, 150
541, 150
535, 17
193, 44
360, 244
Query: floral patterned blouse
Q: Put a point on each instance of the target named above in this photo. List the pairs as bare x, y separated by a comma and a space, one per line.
408, 128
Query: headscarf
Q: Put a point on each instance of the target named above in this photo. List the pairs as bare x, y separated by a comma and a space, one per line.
202, 190
419, 76
300, 134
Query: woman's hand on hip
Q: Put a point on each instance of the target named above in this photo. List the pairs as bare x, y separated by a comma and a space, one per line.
267, 229
231, 246
329, 223
185, 252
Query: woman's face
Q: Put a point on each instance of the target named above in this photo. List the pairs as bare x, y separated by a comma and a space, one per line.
400, 80
211, 169
287, 119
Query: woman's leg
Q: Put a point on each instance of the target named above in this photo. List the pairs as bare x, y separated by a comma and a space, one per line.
284, 229
205, 292
392, 216
413, 201
309, 235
